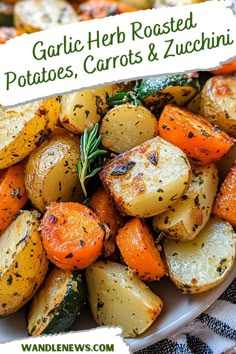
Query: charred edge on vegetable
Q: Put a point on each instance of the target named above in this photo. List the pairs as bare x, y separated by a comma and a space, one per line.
82, 242
52, 219
102, 226
76, 106
173, 198
16, 193
24, 238
153, 158
100, 304
70, 255
196, 200
122, 169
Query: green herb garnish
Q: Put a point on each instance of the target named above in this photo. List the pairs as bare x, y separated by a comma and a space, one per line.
126, 97
90, 156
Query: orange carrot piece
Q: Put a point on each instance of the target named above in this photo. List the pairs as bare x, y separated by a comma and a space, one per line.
139, 252
13, 195
225, 204
104, 208
198, 138
72, 235
92, 9
226, 69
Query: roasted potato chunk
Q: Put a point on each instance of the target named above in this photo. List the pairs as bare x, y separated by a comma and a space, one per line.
33, 15
218, 102
148, 179
82, 110
136, 306
23, 263
127, 126
201, 264
24, 127
51, 171
190, 214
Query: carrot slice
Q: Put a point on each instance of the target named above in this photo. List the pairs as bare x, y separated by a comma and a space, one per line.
104, 208
225, 204
13, 195
198, 138
226, 69
138, 250
99, 9
72, 235
106, 211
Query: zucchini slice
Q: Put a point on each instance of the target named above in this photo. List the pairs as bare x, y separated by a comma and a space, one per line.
56, 305
158, 91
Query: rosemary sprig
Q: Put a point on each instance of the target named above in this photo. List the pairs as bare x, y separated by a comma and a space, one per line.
90, 156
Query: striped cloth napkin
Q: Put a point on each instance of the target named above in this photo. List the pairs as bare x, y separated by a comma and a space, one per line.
213, 332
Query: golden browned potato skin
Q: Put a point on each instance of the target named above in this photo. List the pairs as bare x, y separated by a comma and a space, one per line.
37, 15
24, 267
83, 109
24, 127
148, 179
127, 126
51, 171
189, 215
218, 102
127, 301
201, 264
